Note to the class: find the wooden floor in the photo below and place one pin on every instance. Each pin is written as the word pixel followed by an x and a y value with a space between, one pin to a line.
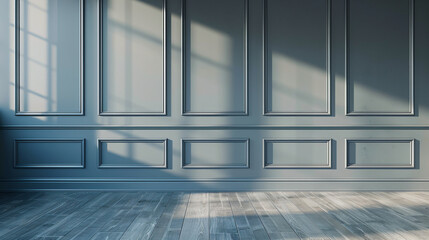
pixel 188 216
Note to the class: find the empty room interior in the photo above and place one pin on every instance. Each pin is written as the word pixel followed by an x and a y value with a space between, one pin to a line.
pixel 214 119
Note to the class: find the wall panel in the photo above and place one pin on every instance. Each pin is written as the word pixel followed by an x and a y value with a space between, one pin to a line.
pixel 214 57
pixel 132 153
pixel 380 52
pixel 49 57
pixel 203 153
pixel 49 153
pixel 297 153
pixel 132 56
pixel 380 153
pixel 297 57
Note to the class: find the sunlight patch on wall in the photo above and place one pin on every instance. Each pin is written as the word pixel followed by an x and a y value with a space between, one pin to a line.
pixel 211 63
pixel 221 44
pixel 49 80
pixel 367 98
pixel 37 20
pixel 133 56
pixel 292 75
pixel 12 55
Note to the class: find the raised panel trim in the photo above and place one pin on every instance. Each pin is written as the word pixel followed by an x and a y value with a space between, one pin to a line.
pixel 399 140
pixel 328 68
pixel 44 140
pixel 328 143
pixel 100 70
pixel 245 111
pixel 100 156
pixel 215 140
pixel 18 111
pixel 411 111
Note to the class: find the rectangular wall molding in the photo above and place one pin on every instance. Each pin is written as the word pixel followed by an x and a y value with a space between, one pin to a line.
pixel 297 153
pixel 208 61
pixel 132 153
pixel 49 153
pixel 214 95
pixel 362 93
pixel 36 64
pixel 138 93
pixel 380 153
pixel 292 59
pixel 215 153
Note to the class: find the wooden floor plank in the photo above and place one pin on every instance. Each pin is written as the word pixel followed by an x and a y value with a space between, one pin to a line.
pixel 348 219
pixel 276 226
pixel 247 220
pixel 196 223
pixel 102 212
pixel 50 216
pixel 234 215
pixel 127 211
pixel 107 236
pixel 329 219
pixel 25 209
pixel 399 218
pixel 167 227
pixel 418 202
pixel 144 223
pixel 306 222
pixel 73 216
pixel 222 223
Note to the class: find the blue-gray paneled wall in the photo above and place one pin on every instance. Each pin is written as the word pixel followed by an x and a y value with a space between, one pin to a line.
pixel 214 94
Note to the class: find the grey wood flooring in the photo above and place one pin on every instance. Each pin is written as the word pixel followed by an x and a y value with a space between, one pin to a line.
pixel 230 215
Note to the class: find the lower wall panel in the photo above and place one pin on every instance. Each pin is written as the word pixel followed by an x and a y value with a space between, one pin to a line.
pixel 306 153
pixel 49 153
pixel 132 153
pixel 238 159
pixel 379 153
pixel 215 153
